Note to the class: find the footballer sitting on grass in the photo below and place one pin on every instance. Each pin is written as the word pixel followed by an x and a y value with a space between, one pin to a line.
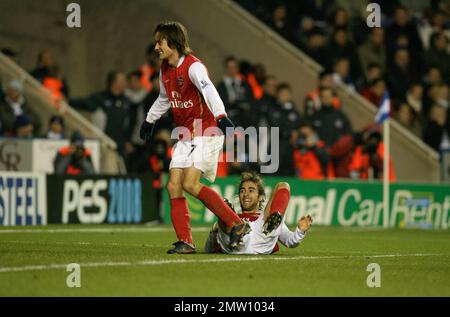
pixel 267 227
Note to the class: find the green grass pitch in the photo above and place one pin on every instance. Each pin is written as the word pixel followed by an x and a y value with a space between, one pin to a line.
pixel 132 261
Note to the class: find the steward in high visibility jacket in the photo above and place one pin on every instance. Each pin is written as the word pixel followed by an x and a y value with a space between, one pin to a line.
pixel 367 161
pixel 74 159
pixel 311 159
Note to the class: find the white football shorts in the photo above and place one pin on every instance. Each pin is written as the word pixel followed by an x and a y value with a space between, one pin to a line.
pixel 202 152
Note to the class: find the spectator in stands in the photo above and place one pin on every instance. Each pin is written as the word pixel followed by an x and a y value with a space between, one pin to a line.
pixel 401 75
pixel 367 161
pixel 74 159
pixel 55 84
pixel 235 92
pixel 341 46
pixel 414 98
pixel 373 51
pixel 137 95
pixel 13 105
pixel 373 72
pixel 435 127
pixel 150 67
pixel 23 127
pixel 437 23
pixel 47 72
pixel 55 128
pixel 409 118
pixel 286 116
pixel 340 19
pixel 316 47
pixel 288 111
pixel 439 94
pixel 267 103
pixel 374 93
pixel 341 72
pixel 312 99
pixel 311 158
pixel 279 21
pixel 301 35
pixel 431 78
pixel 317 10
pixel 115 105
pixel 402 26
pixel 341 153
pixel 269 90
pixel 438 55
pixel 330 123
pixel 255 79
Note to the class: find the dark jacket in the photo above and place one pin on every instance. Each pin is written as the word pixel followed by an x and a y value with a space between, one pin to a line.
pixel 7 117
pixel 117 109
pixel 330 124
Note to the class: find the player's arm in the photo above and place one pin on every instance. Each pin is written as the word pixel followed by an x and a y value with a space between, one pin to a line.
pixel 199 77
pixel 159 107
pixel 292 239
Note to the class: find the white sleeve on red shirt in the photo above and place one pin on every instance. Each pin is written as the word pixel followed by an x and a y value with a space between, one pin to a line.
pixel 199 77
pixel 289 238
pixel 160 106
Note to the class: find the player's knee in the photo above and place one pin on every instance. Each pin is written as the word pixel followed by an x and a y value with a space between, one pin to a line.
pixel 283 185
pixel 190 187
pixel 173 188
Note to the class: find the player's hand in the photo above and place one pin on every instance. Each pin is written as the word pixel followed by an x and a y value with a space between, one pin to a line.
pixel 224 123
pixel 146 131
pixel 305 223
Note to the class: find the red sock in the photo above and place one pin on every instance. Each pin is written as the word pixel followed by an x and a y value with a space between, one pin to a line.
pixel 215 203
pixel 280 201
pixel 181 217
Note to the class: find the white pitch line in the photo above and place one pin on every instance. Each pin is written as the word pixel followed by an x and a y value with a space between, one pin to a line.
pixel 184 261
pixel 98 230
pixel 100 244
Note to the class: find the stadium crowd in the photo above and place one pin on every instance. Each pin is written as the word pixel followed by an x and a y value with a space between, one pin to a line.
pixel 408 56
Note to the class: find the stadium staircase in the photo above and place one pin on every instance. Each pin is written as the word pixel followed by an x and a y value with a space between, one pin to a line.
pixel 45 105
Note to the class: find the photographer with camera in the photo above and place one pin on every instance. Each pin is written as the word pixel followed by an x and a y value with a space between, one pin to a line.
pixel 74 159
pixel 312 161
pixel 367 161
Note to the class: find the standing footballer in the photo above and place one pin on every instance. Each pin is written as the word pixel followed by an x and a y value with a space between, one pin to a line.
pixel 186 88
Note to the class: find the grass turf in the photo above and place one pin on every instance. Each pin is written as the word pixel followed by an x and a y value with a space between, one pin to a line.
pixel 132 261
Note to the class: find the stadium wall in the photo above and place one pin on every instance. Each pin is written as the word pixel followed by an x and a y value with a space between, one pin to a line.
pixel 39 199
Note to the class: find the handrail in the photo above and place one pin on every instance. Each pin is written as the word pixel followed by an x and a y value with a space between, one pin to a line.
pixel 312 65
pixel 35 84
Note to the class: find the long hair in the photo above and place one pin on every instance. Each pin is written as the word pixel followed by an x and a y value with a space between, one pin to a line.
pixel 175 34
